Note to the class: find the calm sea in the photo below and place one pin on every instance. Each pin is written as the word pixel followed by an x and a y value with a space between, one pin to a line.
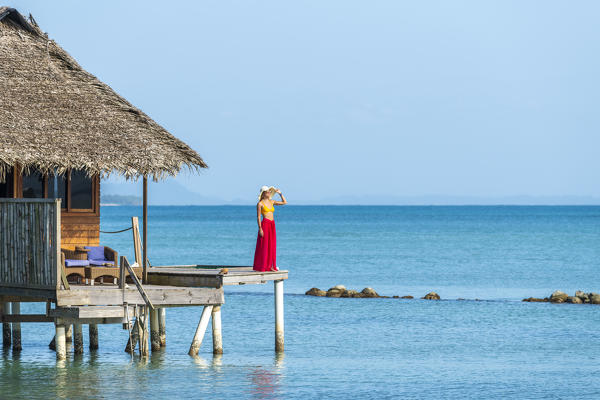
pixel 497 347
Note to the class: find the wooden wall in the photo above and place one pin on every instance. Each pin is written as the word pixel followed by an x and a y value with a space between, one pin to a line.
pixel 82 229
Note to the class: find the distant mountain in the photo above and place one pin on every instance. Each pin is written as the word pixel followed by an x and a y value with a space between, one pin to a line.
pixel 168 192
pixel 120 200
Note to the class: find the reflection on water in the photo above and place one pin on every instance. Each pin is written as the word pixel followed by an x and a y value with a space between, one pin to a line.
pixel 266 384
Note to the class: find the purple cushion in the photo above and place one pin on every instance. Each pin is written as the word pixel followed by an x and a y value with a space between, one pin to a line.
pixel 76 263
pixel 101 262
pixel 95 252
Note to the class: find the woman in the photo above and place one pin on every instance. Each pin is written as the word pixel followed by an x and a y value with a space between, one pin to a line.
pixel 266 243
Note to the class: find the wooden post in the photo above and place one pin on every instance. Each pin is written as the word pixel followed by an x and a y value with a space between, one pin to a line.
pixel 16 328
pixel 93 333
pixel 143 331
pixel 69 333
pixel 6 335
pixel 279 342
pixel 199 335
pixel 162 326
pixel 61 343
pixel 216 330
pixel 77 339
pixel 145 232
pixel 134 338
pixel 154 333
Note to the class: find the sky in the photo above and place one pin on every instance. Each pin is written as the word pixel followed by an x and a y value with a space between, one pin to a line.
pixel 379 99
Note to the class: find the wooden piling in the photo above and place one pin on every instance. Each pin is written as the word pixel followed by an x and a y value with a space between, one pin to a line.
pixel 69 333
pixel 133 338
pixel 216 330
pixel 16 328
pixel 279 336
pixel 154 331
pixel 200 330
pixel 6 335
pixel 93 333
pixel 162 326
pixel 61 343
pixel 77 339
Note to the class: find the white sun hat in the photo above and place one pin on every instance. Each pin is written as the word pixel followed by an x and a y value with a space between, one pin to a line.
pixel 270 189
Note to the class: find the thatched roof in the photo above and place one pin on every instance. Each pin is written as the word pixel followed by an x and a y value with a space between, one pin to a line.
pixel 54 115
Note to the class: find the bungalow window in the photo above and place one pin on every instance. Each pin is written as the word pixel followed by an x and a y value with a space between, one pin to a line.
pixel 76 189
pixel 34 185
pixel 6 187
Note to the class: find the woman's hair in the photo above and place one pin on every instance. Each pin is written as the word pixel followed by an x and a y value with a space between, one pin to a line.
pixel 264 195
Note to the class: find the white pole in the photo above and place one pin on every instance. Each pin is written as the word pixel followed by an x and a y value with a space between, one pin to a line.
pixel 199 335
pixel 154 334
pixel 216 330
pixel 61 342
pixel 162 326
pixel 279 337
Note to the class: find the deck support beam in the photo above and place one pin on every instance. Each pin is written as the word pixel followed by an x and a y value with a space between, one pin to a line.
pixel 279 336
pixel 16 328
pixel 77 339
pixel 200 330
pixel 6 335
pixel 154 330
pixel 60 340
pixel 216 330
pixel 162 326
pixel 93 333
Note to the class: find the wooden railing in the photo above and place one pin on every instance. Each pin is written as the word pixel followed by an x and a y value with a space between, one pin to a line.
pixel 30 243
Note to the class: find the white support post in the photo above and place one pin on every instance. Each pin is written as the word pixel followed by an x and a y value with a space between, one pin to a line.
pixel 154 335
pixel 216 330
pixel 162 326
pixel 60 340
pixel 69 333
pixel 200 330
pixel 279 337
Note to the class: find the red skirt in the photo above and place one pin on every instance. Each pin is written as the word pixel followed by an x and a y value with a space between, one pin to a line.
pixel 266 247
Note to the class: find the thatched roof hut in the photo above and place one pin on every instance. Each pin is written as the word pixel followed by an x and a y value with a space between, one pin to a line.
pixel 55 116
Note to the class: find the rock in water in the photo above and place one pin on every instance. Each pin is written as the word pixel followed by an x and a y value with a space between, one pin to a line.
pixel 574 300
pixel 315 292
pixel 431 296
pixel 336 291
pixel 369 292
pixel 583 296
pixel 594 298
pixel 407 297
pixel 558 297
pixel 536 300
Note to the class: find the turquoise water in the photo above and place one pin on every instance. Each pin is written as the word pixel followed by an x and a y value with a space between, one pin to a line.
pixel 498 347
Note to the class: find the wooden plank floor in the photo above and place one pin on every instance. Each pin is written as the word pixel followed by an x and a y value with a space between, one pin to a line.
pixel 190 275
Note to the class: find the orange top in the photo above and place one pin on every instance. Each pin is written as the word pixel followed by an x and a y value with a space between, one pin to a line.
pixel 265 209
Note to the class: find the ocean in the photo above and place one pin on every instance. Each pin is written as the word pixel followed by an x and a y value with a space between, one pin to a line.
pixel 489 345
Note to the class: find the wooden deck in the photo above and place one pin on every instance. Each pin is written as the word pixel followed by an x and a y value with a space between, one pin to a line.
pixel 210 276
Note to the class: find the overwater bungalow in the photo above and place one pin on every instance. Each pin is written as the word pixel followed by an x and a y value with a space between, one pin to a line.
pixel 61 132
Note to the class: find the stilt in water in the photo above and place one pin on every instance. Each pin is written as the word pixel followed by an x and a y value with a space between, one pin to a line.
pixel 143 331
pixel 61 343
pixel 69 333
pixel 77 339
pixel 279 337
pixel 16 328
pixel 154 330
pixel 6 335
pixel 93 333
pixel 133 338
pixel 162 326
pixel 216 330
pixel 200 330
